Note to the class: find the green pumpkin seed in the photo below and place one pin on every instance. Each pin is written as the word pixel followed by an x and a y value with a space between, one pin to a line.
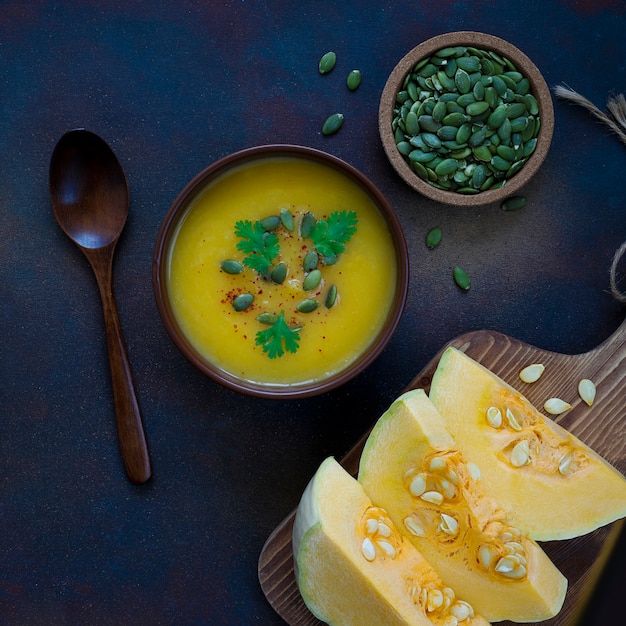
pixel 431 140
pixel 331 296
pixel 242 301
pixel 468 63
pixel 433 237
pixel 440 110
pixel 312 280
pixel 306 224
pixel 421 156
pixel 287 219
pixel 332 124
pixel 279 273
pixel 412 123
pixel 426 123
pixel 267 318
pixel 327 62
pixel 231 266
pixel 462 81
pixel 307 306
pixel 447 133
pixel 271 222
pixel 456 118
pixel 497 117
pixel 514 203
pixel 446 167
pixel 477 108
pixel 353 80
pixel 461 278
pixel 310 262
pixel 500 164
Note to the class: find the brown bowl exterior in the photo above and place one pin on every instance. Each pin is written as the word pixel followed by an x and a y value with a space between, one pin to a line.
pixel 165 240
pixel 487 42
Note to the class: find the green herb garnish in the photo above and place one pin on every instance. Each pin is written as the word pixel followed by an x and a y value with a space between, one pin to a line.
pixel 331 236
pixel 278 338
pixel 260 246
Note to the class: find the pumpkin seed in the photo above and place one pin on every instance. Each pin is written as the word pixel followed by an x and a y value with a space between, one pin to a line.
pixel 433 237
pixel 461 278
pixel 513 203
pixel 327 62
pixel 287 219
pixel 587 391
pixel 231 266
pixel 486 99
pixel 310 262
pixel 331 297
pixel 353 80
pixel 556 406
pixel 332 124
pixel 271 222
pixel 306 224
pixel 312 280
pixel 267 318
pixel 279 273
pixel 242 301
pixel 307 306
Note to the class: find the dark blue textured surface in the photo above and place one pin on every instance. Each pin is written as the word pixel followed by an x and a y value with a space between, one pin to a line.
pixel 172 86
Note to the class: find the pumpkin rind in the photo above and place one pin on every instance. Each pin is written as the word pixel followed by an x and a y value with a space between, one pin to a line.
pixel 563 489
pixel 334 522
pixel 408 458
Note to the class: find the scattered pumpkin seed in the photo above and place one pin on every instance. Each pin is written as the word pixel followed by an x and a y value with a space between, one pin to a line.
pixel 331 296
pixel 532 373
pixel 556 406
pixel 242 301
pixel 327 62
pixel 307 306
pixel 230 266
pixel 332 124
pixel 514 203
pixel 312 280
pixel 433 237
pixel 461 278
pixel 587 391
pixel 353 80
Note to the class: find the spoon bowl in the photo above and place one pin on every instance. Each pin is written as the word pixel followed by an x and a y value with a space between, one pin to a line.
pixel 90 201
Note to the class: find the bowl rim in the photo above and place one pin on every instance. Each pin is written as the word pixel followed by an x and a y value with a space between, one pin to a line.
pixel 179 208
pixel 479 40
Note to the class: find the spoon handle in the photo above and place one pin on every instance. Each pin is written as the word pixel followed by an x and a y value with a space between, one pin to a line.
pixel 130 430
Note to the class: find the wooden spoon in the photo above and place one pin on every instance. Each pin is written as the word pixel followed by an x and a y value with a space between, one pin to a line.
pixel 90 202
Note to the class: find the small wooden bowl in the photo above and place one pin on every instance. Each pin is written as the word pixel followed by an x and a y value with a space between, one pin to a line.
pixel 538 88
pixel 184 205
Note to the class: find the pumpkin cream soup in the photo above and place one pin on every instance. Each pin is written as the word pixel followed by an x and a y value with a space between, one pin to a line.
pixel 282 271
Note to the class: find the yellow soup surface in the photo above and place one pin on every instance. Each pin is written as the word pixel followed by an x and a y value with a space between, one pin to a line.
pixel 202 294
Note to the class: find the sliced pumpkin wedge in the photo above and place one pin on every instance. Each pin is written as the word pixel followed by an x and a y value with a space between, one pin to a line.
pixel 412 467
pixel 353 567
pixel 551 484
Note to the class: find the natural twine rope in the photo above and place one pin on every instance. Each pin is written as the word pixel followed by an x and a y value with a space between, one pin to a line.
pixel 616 121
pixel 617 294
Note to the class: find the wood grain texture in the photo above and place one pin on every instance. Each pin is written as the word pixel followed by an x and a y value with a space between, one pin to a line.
pixel 602 427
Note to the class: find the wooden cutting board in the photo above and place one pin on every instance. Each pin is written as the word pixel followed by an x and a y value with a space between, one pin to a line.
pixel 602 427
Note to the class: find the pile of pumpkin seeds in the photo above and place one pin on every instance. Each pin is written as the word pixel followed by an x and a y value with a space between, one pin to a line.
pixel 465 119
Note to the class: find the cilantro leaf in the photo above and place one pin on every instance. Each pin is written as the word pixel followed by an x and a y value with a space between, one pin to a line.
pixel 331 236
pixel 260 246
pixel 278 338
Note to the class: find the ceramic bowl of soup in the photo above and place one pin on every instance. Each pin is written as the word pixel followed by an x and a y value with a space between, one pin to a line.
pixel 466 118
pixel 280 271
